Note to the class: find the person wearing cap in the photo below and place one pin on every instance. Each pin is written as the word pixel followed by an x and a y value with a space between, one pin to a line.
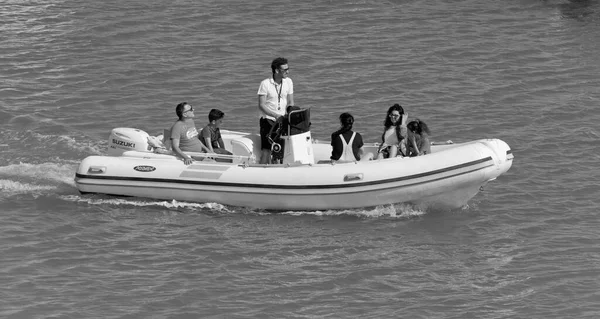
pixel 184 136
pixel 274 95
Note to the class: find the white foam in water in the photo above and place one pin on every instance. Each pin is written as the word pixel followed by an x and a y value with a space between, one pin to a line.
pixel 143 203
pixel 29 173
pixel 26 178
pixel 13 187
pixel 395 211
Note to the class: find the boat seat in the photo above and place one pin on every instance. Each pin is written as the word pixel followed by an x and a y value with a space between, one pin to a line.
pixel 243 148
pixel 246 146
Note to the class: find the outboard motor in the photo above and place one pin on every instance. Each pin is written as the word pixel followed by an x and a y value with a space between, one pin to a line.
pixel 124 139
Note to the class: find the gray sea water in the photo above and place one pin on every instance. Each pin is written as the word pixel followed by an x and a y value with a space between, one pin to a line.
pixel 524 71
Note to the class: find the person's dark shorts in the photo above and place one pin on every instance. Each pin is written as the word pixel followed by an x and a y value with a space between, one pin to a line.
pixel 265 128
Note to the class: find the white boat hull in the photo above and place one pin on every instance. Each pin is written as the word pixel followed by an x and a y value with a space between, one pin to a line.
pixel 447 178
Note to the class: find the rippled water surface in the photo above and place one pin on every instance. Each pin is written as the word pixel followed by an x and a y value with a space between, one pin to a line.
pixel 524 71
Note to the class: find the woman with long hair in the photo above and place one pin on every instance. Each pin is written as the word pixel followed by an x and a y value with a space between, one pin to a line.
pixel 394 133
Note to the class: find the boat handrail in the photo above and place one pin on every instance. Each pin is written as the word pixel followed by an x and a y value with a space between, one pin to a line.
pixel 236 159
pixel 216 155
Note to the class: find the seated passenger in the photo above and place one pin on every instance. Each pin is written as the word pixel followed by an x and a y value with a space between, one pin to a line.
pixel 418 139
pixel 394 133
pixel 184 136
pixel 211 134
pixel 347 145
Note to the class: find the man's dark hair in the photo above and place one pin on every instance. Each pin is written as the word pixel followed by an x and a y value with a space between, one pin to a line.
pixel 179 109
pixel 277 63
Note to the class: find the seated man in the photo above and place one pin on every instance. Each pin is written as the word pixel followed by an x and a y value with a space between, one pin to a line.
pixel 184 136
pixel 211 134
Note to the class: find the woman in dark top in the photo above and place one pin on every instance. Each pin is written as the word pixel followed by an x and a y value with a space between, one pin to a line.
pixel 347 144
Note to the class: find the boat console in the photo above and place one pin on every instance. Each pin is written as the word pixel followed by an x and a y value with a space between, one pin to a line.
pixel 293 140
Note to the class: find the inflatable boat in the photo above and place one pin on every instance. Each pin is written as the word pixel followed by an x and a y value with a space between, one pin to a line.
pixel 304 180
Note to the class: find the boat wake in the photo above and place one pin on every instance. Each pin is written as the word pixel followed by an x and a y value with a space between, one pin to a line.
pixel 14 187
pixel 135 202
pixel 383 211
pixel 388 211
pixel 37 179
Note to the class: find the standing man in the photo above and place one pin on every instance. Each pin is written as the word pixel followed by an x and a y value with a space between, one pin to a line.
pixel 274 95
